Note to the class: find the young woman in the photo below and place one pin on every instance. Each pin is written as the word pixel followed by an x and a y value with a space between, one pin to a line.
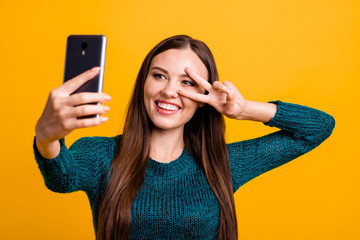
pixel 170 175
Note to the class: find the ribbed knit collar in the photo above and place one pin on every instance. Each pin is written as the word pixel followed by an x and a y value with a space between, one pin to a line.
pixel 171 169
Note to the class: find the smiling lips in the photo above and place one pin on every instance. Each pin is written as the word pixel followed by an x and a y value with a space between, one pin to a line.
pixel 166 108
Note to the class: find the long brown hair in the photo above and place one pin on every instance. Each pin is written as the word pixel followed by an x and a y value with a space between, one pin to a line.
pixel 204 140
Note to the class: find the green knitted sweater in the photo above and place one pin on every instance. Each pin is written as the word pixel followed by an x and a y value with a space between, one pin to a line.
pixel 176 201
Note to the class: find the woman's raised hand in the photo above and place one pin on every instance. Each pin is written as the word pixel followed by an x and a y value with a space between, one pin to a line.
pixel 224 97
pixel 59 117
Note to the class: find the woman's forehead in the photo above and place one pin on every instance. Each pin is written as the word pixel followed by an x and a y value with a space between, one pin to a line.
pixel 174 61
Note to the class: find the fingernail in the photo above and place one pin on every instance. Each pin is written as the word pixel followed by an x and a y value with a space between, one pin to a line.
pixel 96 69
pixel 103 119
pixel 107 108
pixel 107 97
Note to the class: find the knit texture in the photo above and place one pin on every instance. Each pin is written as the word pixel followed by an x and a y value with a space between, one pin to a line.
pixel 176 201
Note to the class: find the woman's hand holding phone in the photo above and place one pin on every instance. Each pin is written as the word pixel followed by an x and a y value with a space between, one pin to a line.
pixel 62 110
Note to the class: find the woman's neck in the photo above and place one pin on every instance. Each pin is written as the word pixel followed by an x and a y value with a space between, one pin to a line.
pixel 166 145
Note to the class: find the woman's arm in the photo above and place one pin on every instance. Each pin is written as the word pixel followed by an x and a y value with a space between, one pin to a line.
pixel 258 111
pixel 78 168
pixel 64 170
pixel 302 129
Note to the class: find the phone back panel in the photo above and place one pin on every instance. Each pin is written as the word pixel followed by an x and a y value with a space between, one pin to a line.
pixel 84 52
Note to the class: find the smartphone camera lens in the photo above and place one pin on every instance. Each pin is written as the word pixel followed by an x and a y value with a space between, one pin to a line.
pixel 84 45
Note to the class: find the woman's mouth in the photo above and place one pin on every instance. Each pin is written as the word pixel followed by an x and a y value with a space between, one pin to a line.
pixel 166 108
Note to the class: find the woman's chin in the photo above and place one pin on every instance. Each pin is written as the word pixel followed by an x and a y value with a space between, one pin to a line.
pixel 167 126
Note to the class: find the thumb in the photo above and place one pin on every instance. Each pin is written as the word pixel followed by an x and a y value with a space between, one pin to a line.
pixel 74 83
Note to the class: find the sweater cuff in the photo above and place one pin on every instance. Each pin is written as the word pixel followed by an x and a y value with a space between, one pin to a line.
pixel 43 161
pixel 290 116
pixel 55 171
pixel 272 122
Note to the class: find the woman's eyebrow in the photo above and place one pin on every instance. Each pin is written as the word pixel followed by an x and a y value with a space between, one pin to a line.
pixel 166 72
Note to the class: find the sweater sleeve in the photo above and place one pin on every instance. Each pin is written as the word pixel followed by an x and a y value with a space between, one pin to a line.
pixel 79 167
pixel 302 129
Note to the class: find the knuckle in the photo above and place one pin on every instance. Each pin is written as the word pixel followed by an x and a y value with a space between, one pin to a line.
pixel 82 124
pixel 83 110
pixel 86 110
pixel 55 102
pixel 82 97
pixel 53 94
pixel 226 83
pixel 85 123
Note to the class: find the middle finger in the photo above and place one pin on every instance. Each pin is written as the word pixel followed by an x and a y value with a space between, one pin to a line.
pixel 88 109
pixel 220 87
pixel 199 80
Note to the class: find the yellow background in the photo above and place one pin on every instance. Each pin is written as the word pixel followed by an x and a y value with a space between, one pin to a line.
pixel 306 52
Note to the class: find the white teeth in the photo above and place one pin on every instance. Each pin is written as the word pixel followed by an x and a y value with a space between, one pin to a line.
pixel 166 106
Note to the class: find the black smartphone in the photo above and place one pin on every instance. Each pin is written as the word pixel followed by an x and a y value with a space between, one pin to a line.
pixel 84 52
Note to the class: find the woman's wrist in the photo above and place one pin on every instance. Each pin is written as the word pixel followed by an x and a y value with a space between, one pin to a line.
pixel 258 111
pixel 48 150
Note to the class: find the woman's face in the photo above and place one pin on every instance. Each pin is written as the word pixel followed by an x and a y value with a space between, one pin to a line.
pixel 165 107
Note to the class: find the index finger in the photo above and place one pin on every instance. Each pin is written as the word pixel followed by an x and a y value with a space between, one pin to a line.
pixel 194 96
pixel 199 80
pixel 71 85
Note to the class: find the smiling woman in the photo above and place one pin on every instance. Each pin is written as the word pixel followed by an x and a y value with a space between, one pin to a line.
pixel 170 175
pixel 166 108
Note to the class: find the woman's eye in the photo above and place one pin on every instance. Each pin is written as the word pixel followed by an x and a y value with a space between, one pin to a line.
pixel 189 83
pixel 157 76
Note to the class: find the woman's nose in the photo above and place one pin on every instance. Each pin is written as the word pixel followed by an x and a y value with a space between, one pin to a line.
pixel 170 90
